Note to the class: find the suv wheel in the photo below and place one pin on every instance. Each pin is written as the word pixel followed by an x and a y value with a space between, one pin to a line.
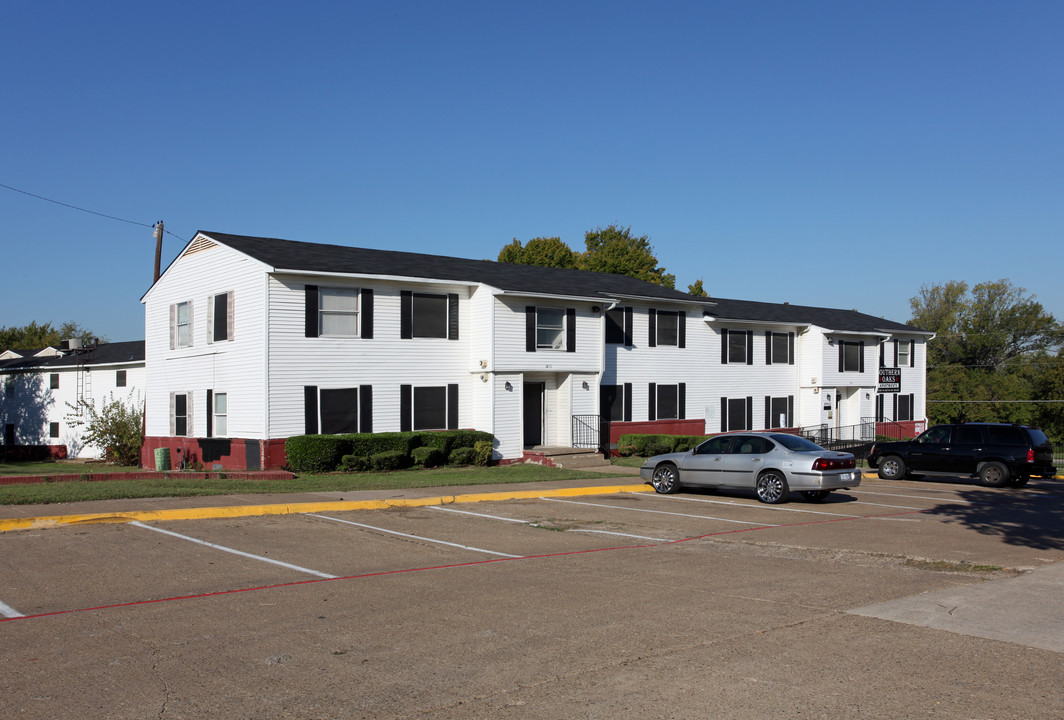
pixel 993 474
pixel 892 467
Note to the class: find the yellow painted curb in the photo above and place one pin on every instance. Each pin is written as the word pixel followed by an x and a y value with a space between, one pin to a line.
pixel 38 523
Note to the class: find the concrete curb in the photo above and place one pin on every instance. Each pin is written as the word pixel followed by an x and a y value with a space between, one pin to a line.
pixel 54 521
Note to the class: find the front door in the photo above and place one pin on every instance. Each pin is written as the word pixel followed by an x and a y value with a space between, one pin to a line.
pixel 533 413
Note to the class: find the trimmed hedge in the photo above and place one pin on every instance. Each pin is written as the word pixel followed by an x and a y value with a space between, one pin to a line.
pixel 462 456
pixel 327 453
pixel 427 456
pixel 390 460
pixel 647 445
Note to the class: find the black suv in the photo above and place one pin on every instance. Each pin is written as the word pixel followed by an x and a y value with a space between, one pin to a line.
pixel 997 454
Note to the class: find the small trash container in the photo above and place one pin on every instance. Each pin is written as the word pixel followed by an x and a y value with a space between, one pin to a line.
pixel 162 459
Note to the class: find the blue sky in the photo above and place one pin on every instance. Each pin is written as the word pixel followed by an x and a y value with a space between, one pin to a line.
pixel 838 154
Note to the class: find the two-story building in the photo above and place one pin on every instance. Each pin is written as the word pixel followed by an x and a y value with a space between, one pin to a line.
pixel 249 341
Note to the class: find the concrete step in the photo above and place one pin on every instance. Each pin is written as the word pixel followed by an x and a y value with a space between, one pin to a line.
pixel 582 458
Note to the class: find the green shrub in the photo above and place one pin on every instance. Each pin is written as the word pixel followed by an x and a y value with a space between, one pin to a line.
pixel 390 460
pixel 483 452
pixel 369 444
pixel 428 456
pixel 686 442
pixel 462 456
pixel 656 447
pixel 354 463
pixel 317 453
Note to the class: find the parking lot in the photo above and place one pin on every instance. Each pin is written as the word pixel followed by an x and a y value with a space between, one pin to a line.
pixel 898 599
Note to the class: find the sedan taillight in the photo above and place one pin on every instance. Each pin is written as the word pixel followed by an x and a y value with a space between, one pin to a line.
pixel 834 463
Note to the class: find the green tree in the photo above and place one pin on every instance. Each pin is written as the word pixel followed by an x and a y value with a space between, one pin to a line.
pixel 696 289
pixel 613 249
pixel 983 357
pixel 541 251
pixel 35 336
pixel 117 427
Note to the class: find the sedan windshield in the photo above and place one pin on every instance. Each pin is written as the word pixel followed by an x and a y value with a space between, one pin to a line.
pixel 796 443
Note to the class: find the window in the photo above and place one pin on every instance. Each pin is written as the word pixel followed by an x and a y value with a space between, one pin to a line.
pixel 905 353
pixel 220 317
pixel 904 408
pixel 737 347
pixel 615 402
pixel 9 387
pixel 336 312
pixel 53 430
pixel 851 356
pixel 667 327
pixel 120 378
pixel 53 381
pixel 181 325
pixel 967 435
pixel 736 414
pixel 779 348
pixel 779 411
pixel 423 315
pixel 181 414
pixel 428 408
pixel 550 328
pixel 1004 435
pixel 220 411
pixel 667 402
pixel 332 411
pixel 619 326
pixel 715 446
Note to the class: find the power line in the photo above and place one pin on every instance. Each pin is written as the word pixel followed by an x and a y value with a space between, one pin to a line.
pixel 84 210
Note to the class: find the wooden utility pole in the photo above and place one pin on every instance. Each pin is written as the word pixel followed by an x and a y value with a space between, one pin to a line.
pixel 157 233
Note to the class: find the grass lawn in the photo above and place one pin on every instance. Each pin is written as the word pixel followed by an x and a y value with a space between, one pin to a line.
pixel 61 468
pixel 176 486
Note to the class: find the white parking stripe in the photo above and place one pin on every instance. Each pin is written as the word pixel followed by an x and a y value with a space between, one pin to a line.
pixel 532 524
pixel 759 506
pixel 659 512
pixel 476 514
pixel 413 537
pixel 8 611
pixel 234 551
pixel 920 497
pixel 896 507
pixel 627 535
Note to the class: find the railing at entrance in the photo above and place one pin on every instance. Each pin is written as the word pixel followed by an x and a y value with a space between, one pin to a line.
pixel 829 436
pixel 588 431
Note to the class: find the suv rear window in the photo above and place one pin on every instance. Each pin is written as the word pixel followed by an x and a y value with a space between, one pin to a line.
pixel 1037 437
pixel 1000 435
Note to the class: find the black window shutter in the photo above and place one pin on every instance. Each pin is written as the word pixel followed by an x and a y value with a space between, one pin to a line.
pixel 652 411
pixel 530 328
pixel 768 348
pixel 895 354
pixel 406 408
pixel 452 316
pixel 749 413
pixel 365 408
pixel 724 346
pixel 570 330
pixel 653 327
pixel 894 406
pixel 681 401
pixel 790 411
pixel 879 408
pixel 367 315
pixel 768 412
pixel 628 327
pixel 406 314
pixel 311 312
pixel 724 414
pixel 790 348
pixel 628 402
pixel 681 329
pixel 842 355
pixel 749 347
pixel 860 350
pixel 310 409
pixel 452 407
pixel 882 354
pixel 912 354
pixel 210 413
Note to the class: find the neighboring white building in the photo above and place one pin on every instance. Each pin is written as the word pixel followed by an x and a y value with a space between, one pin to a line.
pixel 40 392
pixel 252 340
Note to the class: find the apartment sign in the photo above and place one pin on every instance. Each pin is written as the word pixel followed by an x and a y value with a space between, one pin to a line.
pixel 890 380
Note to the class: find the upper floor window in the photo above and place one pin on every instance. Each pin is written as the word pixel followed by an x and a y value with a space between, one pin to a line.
pixel 9 387
pixel 120 378
pixel 779 348
pixel 905 353
pixel 550 328
pixel 851 356
pixel 53 381
pixel 181 325
pixel 220 317
pixel 667 327
pixel 737 347
pixel 426 315
pixel 619 326
pixel 338 312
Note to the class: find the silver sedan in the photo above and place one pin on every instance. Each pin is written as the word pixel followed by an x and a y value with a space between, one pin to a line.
pixel 771 464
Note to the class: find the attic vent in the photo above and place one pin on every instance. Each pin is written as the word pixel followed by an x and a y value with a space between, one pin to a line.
pixel 199 245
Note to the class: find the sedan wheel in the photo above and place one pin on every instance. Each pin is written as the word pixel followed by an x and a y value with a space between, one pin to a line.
pixel 666 479
pixel 772 487
pixel 815 495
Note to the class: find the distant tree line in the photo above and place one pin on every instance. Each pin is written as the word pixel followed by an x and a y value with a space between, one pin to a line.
pixel 36 336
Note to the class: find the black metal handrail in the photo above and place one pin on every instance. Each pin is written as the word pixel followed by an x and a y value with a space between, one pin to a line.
pixel 587 431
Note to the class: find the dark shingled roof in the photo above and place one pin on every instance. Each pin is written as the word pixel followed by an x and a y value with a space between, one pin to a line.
pixel 510 277
pixel 105 354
